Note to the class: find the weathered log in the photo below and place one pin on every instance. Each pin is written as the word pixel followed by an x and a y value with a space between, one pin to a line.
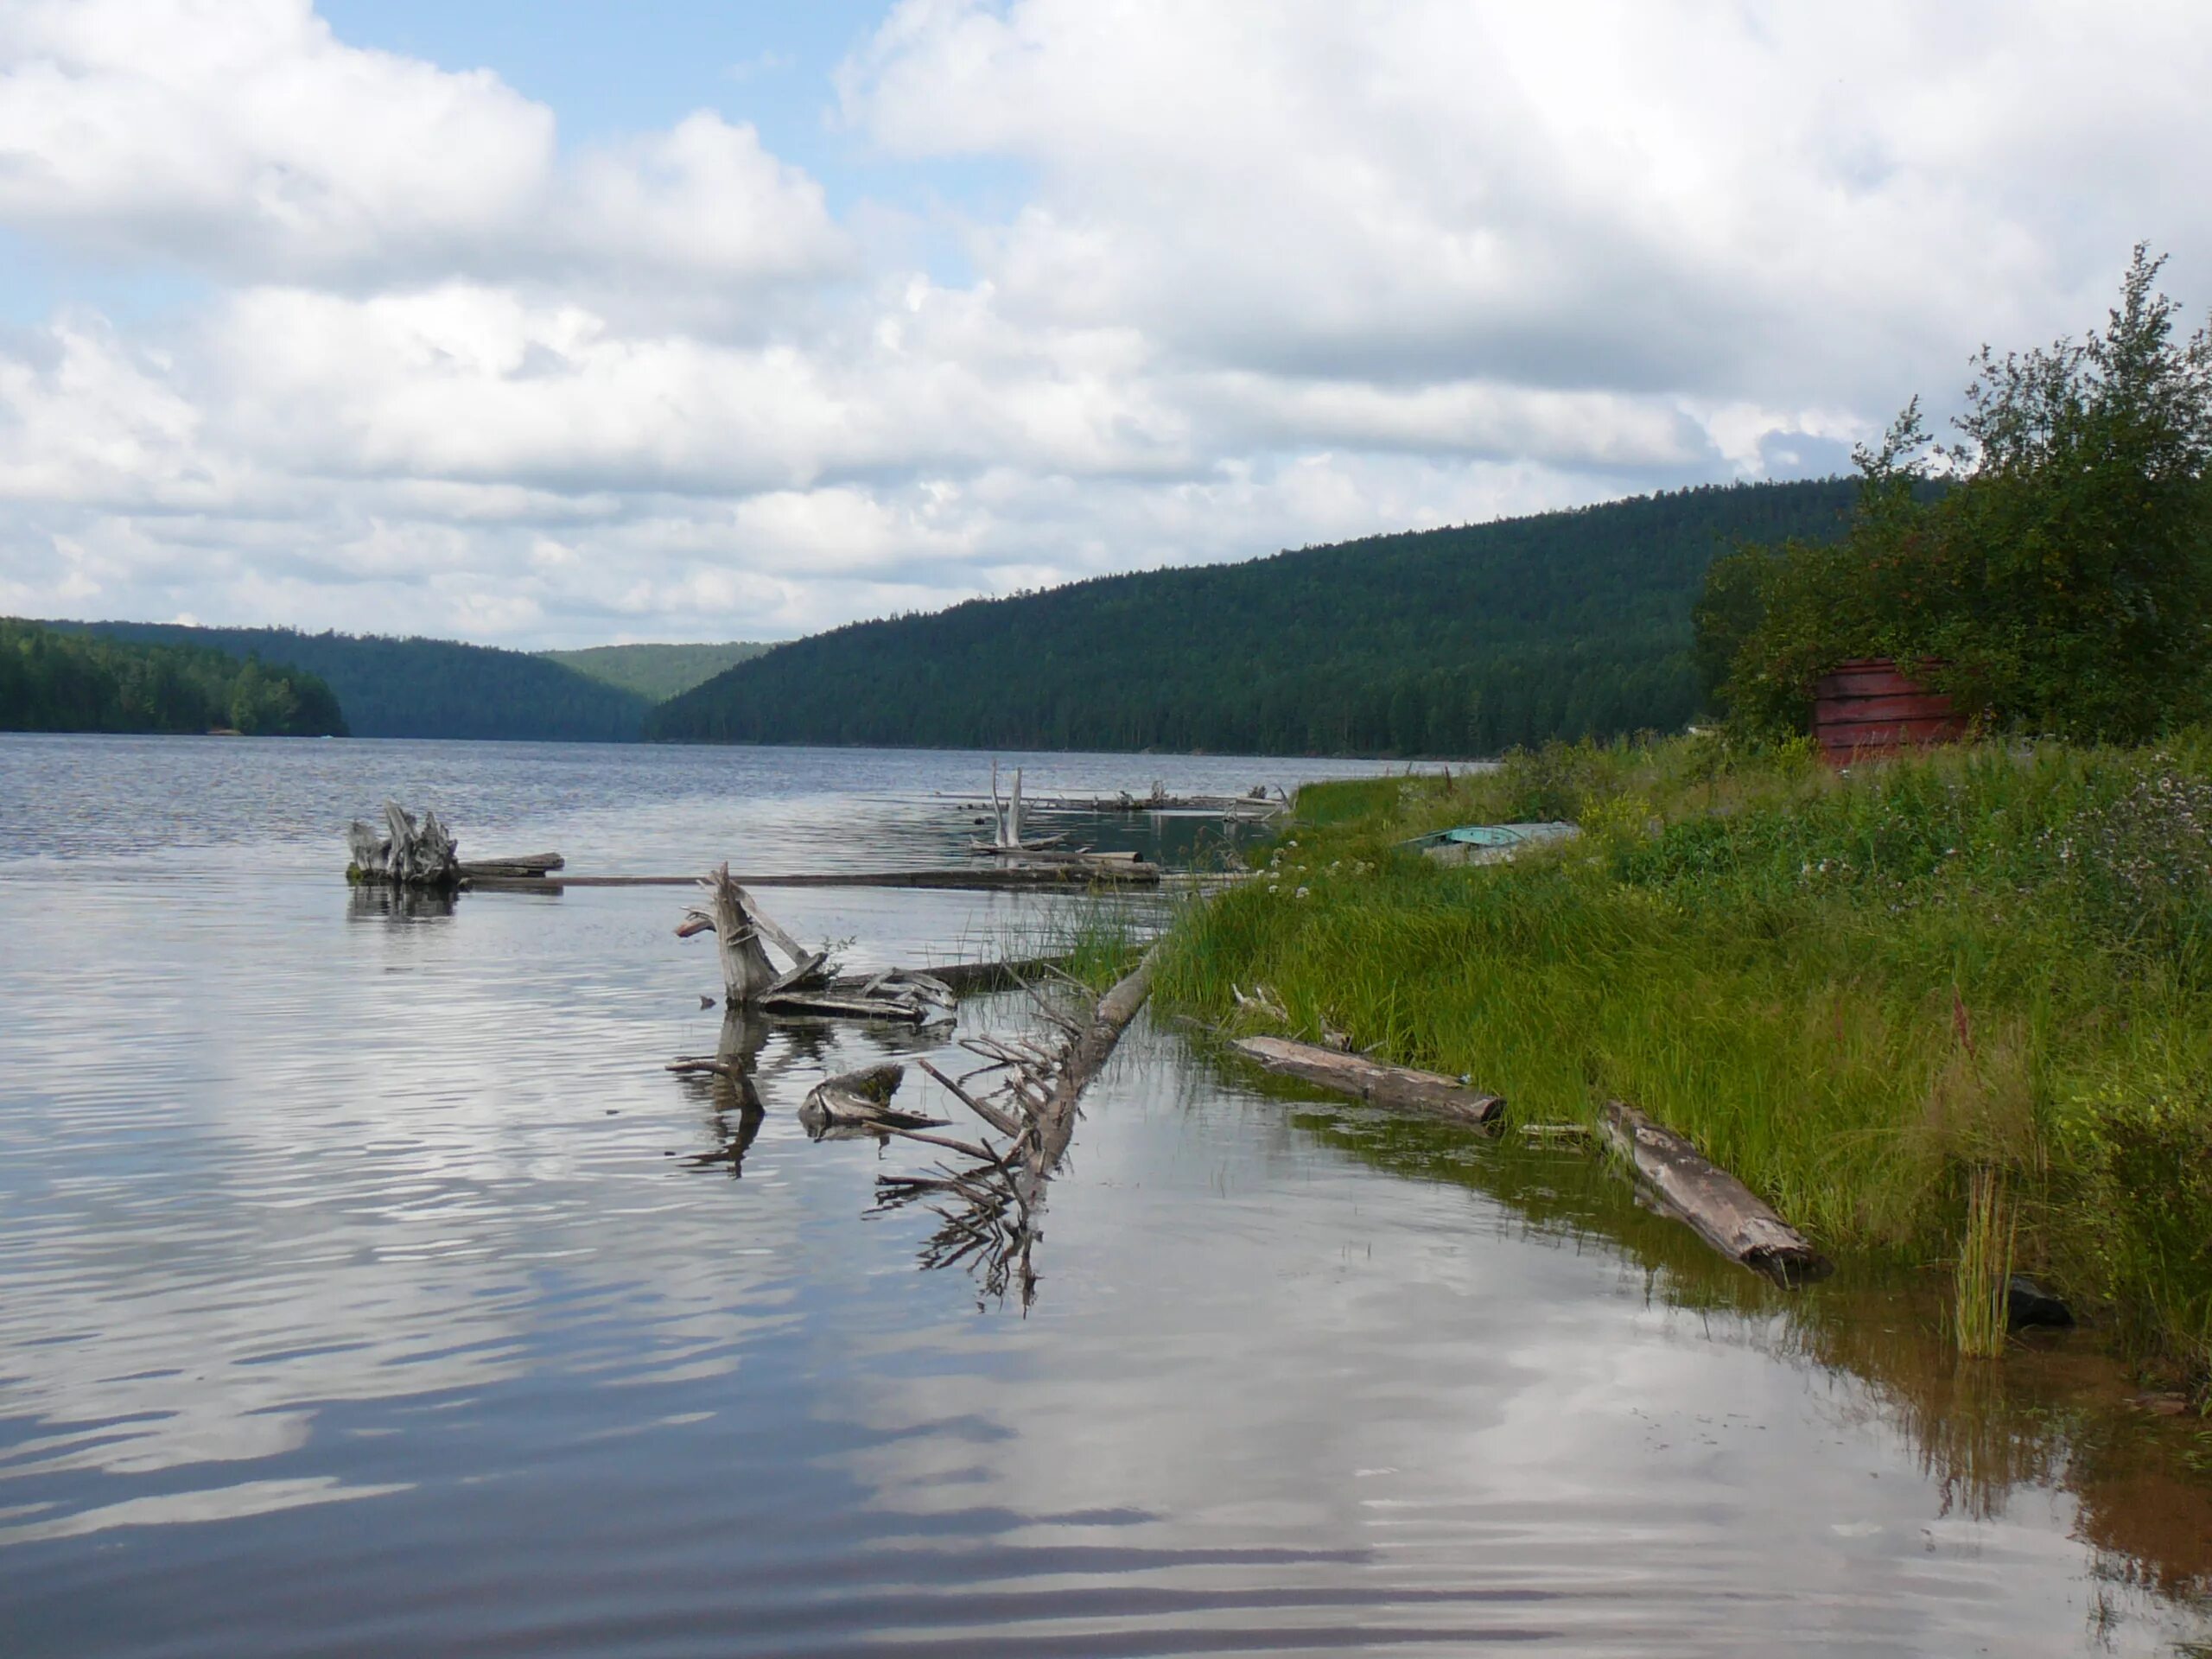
pixel 1085 1057
pixel 1726 1213
pixel 860 1100
pixel 521 867
pixel 826 1004
pixel 1375 1081
pixel 966 976
pixel 1047 872
pixel 991 1208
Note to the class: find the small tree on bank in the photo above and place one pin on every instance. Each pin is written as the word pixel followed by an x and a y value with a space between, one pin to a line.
pixel 2051 571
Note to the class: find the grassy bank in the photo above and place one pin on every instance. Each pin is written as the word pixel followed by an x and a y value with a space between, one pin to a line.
pixel 1863 993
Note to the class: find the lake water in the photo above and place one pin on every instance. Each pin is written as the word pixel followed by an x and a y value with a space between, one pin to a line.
pixel 361 1293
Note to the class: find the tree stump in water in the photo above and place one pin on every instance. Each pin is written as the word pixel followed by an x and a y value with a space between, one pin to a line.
pixel 410 854
pixel 752 979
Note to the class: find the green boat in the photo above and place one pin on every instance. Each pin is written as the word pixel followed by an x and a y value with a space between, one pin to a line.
pixel 1488 843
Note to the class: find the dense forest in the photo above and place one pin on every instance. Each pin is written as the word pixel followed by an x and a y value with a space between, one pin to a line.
pixel 424 688
pixel 56 681
pixel 657 672
pixel 1461 641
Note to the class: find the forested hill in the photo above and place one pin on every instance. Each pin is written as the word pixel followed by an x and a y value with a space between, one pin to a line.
pixel 425 688
pixel 1450 642
pixel 56 681
pixel 655 672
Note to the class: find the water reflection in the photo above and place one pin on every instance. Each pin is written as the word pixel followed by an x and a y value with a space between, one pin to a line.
pixel 2055 1415
pixel 734 1113
pixel 377 902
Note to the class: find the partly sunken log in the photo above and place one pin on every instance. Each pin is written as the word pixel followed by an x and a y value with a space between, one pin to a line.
pixel 751 978
pixel 990 1203
pixel 859 1102
pixel 523 866
pixel 1730 1217
pixel 1373 1081
pixel 410 853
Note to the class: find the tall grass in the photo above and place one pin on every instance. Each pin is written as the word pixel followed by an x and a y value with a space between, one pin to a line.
pixel 1851 990
pixel 1985 1266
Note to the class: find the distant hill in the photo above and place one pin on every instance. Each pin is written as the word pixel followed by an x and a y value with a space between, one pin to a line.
pixel 657 672
pixel 1451 642
pixel 58 680
pixel 424 688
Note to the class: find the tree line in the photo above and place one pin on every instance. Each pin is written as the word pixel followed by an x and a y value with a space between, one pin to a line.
pixel 424 688
pixel 52 680
pixel 1467 640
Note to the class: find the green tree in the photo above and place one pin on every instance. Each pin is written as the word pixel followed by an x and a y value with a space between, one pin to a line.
pixel 2051 569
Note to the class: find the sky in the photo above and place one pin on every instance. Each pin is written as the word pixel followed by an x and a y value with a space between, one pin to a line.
pixel 540 322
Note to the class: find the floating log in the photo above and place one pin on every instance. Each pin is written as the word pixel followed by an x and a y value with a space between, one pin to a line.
pixel 861 1100
pixel 1072 873
pixel 1253 804
pixel 1727 1214
pixel 523 868
pixel 1373 1081
pixel 966 977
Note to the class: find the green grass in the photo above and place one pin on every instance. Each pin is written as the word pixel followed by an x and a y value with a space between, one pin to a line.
pixel 1852 991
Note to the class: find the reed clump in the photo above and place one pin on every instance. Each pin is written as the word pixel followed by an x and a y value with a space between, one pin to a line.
pixel 1853 989
pixel 1985 1266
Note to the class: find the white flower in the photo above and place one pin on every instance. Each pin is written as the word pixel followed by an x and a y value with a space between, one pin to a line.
pixel 1300 893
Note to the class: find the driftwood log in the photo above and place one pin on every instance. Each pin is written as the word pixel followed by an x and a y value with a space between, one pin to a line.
pixel 411 852
pixel 1727 1214
pixel 991 1202
pixel 523 866
pixel 859 1102
pixel 1255 803
pixel 1086 871
pixel 808 985
pixel 1373 1081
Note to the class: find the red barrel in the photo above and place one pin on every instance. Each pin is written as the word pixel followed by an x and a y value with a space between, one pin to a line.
pixel 1865 707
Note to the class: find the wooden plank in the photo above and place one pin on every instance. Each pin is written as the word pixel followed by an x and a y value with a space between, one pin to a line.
pixel 1725 1212
pixel 1375 1081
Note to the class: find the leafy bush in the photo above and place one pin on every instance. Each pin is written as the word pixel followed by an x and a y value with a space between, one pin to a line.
pixel 2051 571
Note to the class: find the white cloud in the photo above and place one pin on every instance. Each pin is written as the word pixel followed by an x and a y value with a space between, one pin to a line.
pixel 1714 199
pixel 1277 274
pixel 241 137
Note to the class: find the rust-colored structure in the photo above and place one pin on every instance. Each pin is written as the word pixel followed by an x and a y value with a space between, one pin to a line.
pixel 1865 707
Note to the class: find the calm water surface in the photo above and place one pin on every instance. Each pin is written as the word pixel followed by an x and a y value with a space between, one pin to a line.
pixel 357 1296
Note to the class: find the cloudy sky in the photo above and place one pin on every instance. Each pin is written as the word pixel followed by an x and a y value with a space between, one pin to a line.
pixel 552 322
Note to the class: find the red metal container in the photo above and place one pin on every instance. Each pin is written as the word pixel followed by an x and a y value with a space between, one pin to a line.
pixel 1865 707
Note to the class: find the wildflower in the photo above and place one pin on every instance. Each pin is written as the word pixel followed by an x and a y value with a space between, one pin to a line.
pixel 1274 886
pixel 1300 893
